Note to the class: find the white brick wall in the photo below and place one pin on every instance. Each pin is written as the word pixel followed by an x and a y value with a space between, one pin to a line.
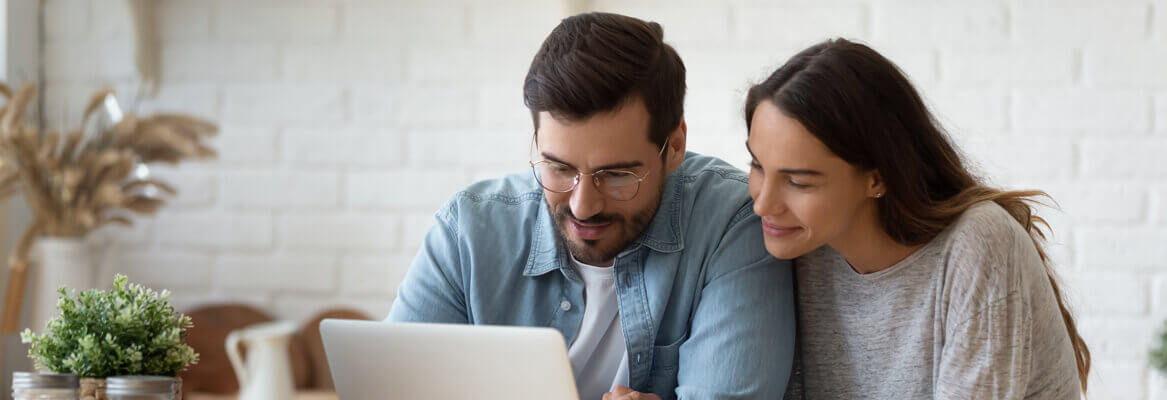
pixel 346 123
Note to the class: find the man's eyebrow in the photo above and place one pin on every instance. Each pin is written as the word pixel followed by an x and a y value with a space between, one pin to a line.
pixel 618 165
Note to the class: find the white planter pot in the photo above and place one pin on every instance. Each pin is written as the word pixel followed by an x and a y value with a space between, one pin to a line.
pixel 61 261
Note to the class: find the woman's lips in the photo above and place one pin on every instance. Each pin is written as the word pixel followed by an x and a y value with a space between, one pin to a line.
pixel 589 231
pixel 779 231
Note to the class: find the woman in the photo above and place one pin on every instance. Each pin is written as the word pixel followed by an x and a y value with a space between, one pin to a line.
pixel 914 280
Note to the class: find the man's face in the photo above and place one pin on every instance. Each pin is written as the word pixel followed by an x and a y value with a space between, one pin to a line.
pixel 594 226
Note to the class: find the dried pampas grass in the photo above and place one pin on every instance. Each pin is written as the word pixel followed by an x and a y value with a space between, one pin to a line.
pixel 75 183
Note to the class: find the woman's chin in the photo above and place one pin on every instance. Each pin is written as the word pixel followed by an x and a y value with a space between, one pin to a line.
pixel 785 250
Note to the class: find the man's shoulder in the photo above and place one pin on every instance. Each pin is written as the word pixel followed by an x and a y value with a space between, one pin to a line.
pixel 714 190
pixel 514 193
pixel 702 170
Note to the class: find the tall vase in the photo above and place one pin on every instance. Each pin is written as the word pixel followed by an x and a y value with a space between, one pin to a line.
pixel 62 261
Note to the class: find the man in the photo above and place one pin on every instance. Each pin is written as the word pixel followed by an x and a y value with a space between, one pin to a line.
pixel 649 260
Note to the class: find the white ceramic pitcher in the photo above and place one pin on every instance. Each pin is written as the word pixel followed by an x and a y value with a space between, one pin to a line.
pixel 268 373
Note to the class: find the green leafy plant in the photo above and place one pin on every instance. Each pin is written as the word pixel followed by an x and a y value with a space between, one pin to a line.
pixel 131 330
pixel 1158 356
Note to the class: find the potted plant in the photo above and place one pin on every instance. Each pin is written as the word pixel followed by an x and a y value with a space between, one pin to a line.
pixel 130 330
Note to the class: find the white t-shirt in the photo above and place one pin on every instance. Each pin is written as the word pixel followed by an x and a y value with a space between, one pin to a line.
pixel 599 356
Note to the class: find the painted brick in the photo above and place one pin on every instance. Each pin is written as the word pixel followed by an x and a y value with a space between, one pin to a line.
pixel 403 23
pixel 349 62
pixel 189 19
pixel 1124 158
pixel 502 105
pixel 525 22
pixel 277 22
pixel 245 144
pixel 1009 68
pixel 493 64
pixel 112 21
pixel 1123 248
pixel 281 190
pixel 376 276
pixel 302 308
pixel 1075 24
pixel 172 270
pixel 196 188
pixel 219 62
pixel 372 147
pixel 1126 66
pixel 1007 159
pixel 941 24
pixel 1161 113
pixel 477 147
pixel 965 111
pixel 300 273
pixel 707 23
pixel 415 227
pixel 1101 203
pixel 66 19
pixel 424 190
pixel 89 61
pixel 436 104
pixel 1095 111
pixel 281 103
pixel 798 27
pixel 1104 291
pixel 331 231
pixel 207 230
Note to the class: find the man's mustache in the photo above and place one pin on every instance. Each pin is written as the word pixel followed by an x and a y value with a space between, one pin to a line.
pixel 593 220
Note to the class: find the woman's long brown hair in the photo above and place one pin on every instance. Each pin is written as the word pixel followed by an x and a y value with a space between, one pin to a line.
pixel 864 109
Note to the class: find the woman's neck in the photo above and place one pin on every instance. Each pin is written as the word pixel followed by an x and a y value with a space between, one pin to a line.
pixel 868 248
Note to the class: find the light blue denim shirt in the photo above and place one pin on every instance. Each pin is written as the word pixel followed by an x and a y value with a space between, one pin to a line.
pixel 707 313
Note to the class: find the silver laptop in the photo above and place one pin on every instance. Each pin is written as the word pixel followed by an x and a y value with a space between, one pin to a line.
pixel 381 360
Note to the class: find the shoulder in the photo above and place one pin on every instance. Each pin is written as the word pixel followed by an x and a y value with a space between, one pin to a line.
pixel 989 256
pixel 986 232
pixel 512 198
pixel 712 190
pixel 702 171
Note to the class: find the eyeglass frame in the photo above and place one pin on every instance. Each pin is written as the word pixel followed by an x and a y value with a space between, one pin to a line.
pixel 595 181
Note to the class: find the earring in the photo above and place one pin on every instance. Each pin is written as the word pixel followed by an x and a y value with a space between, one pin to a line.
pixel 879 195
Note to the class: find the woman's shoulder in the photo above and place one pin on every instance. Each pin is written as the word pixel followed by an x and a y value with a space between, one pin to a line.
pixel 989 254
pixel 986 229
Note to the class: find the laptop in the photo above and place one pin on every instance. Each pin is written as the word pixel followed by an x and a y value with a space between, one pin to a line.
pixel 382 360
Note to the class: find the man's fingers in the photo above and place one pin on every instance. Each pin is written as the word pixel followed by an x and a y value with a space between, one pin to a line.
pixel 622 390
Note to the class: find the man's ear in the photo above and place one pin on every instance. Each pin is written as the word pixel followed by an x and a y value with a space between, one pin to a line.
pixel 676 150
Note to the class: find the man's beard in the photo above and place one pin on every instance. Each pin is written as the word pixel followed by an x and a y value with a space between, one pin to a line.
pixel 593 251
pixel 596 252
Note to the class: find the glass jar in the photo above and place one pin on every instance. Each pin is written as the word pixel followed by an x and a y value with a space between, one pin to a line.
pixel 139 388
pixel 44 386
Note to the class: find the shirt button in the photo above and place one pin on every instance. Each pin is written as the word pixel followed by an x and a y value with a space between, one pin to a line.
pixel 565 305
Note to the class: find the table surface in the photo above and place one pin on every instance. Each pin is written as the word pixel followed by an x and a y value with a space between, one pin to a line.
pixel 301 395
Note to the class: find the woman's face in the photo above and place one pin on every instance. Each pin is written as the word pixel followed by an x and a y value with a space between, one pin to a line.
pixel 805 195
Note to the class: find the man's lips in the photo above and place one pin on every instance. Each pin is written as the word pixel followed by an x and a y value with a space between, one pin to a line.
pixel 589 231
pixel 778 231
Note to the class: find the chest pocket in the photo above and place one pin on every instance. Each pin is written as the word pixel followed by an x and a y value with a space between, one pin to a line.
pixel 664 369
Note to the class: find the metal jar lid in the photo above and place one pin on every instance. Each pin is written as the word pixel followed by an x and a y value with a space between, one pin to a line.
pixel 37 380
pixel 139 385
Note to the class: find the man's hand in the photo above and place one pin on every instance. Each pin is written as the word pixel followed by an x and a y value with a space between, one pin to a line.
pixel 626 393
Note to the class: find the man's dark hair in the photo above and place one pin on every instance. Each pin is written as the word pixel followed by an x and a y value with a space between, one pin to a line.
pixel 596 62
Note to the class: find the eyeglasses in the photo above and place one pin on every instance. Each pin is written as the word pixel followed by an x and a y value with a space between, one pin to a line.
pixel 618 185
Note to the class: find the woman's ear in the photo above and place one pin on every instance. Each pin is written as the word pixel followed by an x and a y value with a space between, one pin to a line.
pixel 875 187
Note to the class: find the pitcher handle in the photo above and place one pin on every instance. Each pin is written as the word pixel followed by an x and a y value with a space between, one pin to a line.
pixel 236 359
